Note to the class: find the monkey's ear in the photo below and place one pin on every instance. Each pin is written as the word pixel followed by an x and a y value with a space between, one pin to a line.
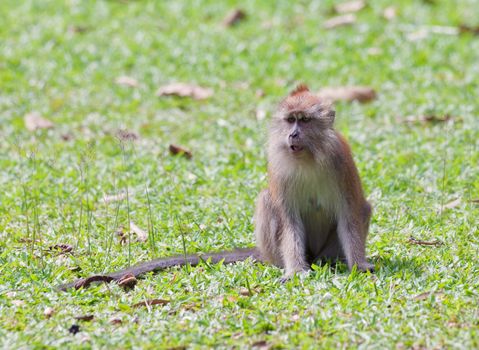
pixel 332 116
pixel 299 89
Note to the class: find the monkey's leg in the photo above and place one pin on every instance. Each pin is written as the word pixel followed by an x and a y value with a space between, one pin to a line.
pixel 293 246
pixel 267 225
pixel 353 241
pixel 366 213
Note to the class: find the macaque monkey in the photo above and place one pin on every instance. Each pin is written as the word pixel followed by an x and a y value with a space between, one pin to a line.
pixel 314 207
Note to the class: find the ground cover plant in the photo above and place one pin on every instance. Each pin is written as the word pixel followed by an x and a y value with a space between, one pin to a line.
pixel 88 183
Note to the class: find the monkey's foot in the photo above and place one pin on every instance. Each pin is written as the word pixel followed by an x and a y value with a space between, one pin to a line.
pixel 365 267
pixel 302 275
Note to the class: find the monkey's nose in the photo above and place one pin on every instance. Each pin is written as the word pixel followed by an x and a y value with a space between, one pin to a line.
pixel 294 134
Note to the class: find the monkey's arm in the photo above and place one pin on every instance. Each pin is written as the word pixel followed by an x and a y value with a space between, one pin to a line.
pixel 354 219
pixel 164 263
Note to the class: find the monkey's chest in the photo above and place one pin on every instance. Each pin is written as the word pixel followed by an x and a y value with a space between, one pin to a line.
pixel 318 210
pixel 314 194
pixel 318 198
pixel 318 218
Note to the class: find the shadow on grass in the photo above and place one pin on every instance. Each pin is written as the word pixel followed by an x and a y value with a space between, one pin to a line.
pixel 393 265
pixel 384 266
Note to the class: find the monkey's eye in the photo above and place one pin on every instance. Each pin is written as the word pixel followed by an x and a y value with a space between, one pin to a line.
pixel 305 118
pixel 291 119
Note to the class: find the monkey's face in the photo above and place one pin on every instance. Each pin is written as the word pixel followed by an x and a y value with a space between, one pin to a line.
pixel 296 130
pixel 301 123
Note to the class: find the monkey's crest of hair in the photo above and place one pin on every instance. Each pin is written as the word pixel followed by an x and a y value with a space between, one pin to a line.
pixel 299 89
pixel 302 99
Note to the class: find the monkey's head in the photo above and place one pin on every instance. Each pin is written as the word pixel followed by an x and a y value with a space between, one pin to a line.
pixel 302 123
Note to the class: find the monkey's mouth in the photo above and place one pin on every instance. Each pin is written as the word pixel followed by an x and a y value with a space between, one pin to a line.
pixel 296 148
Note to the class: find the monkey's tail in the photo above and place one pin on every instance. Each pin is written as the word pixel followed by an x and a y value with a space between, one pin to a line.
pixel 164 263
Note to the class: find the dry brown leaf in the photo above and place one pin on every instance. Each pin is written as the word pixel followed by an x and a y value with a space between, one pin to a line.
pixel 85 318
pixel 126 81
pixel 261 344
pixel 28 240
pixel 125 279
pixel 245 292
pixel 234 17
pixel 476 201
pixel 128 281
pixel 61 248
pixel 66 137
pixel 426 295
pixel 127 135
pixel 339 21
pixel 237 335
pixel 151 302
pixel 422 296
pixel 249 292
pixel 469 29
pixel 108 198
pixel 140 234
pixel 347 93
pixel 415 241
pixel 185 90
pixel 115 321
pixel 48 312
pixel 174 149
pixel 453 203
pixel 191 306
pixel 435 118
pixel 350 6
pixel 34 121
pixel 424 119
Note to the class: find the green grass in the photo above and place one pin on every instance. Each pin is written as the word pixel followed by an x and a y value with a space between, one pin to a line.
pixel 61 59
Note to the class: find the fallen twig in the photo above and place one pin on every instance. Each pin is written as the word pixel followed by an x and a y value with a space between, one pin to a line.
pixel 151 302
pixel 436 243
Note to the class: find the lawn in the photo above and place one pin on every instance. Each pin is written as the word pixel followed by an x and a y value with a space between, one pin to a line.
pixel 416 147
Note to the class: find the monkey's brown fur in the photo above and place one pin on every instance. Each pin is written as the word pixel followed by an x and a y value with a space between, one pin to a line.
pixel 314 206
